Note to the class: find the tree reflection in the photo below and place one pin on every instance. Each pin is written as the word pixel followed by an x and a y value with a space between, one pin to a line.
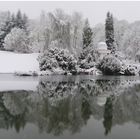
pixel 108 115
pixel 9 120
pixel 86 110
pixel 67 105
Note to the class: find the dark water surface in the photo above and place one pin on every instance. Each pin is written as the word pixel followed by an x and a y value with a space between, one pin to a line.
pixel 69 107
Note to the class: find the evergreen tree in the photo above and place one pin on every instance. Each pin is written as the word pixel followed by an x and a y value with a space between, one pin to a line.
pixel 13 19
pixel 108 115
pixel 87 34
pixel 25 21
pixel 21 20
pixel 109 32
pixel 9 24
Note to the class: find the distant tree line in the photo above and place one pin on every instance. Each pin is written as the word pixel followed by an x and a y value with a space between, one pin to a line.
pixel 71 32
pixel 18 20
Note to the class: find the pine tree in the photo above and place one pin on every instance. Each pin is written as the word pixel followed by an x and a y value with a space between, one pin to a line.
pixel 21 20
pixel 109 32
pixel 9 24
pixel 25 21
pixel 87 34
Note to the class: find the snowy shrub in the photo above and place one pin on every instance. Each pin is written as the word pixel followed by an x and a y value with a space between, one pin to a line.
pixel 17 41
pixel 110 65
pixel 54 58
pixel 88 58
pixel 86 64
pixel 90 71
pixel 130 70
pixel 30 73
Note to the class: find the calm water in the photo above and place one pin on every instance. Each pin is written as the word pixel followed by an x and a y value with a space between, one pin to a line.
pixel 69 107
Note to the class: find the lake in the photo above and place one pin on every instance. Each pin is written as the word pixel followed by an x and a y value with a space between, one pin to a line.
pixel 69 107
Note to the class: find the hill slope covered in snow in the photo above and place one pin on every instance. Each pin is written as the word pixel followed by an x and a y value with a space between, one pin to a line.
pixel 11 62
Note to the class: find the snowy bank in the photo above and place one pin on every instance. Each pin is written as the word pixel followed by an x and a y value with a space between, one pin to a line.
pixel 12 62
pixel 30 73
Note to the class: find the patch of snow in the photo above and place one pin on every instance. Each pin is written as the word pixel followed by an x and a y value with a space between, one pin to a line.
pixel 43 73
pixel 58 71
pixel 11 62
pixel 91 71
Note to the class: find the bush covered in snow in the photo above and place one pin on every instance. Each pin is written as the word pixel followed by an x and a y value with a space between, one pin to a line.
pixel 17 41
pixel 56 58
pixel 130 71
pixel 90 71
pixel 30 73
pixel 110 65
pixel 88 58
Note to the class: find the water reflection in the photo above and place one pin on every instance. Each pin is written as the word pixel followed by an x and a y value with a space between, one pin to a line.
pixel 9 119
pixel 67 104
pixel 108 115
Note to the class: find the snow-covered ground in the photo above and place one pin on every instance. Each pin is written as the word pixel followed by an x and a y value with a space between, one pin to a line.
pixel 12 62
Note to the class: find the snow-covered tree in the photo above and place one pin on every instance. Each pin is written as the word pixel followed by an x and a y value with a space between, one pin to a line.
pixel 76 33
pixel 9 21
pixel 6 26
pixel 58 26
pixel 110 65
pixel 21 20
pixel 88 58
pixel 120 27
pixel 131 41
pixel 87 34
pixel 37 36
pixel 109 32
pixel 56 57
pixel 16 40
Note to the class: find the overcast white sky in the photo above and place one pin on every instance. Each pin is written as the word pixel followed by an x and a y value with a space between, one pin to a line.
pixel 94 10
